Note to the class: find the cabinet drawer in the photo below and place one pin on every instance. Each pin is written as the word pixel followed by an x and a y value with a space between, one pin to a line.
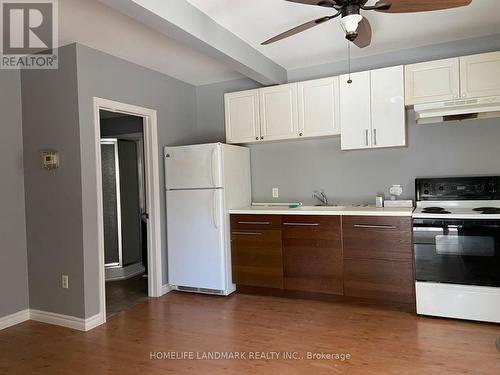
pixel 260 222
pixel 370 237
pixel 256 258
pixel 312 254
pixel 379 279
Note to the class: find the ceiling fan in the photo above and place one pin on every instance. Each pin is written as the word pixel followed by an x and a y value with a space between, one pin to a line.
pixel 357 27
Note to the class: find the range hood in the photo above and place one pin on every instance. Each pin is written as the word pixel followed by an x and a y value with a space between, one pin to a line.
pixel 464 109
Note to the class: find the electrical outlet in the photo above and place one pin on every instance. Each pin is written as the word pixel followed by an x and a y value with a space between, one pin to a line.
pixel 65 281
pixel 276 193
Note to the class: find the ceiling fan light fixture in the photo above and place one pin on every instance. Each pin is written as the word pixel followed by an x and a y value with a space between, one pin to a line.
pixel 350 25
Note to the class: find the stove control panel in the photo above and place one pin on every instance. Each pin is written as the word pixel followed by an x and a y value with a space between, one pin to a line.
pixel 457 188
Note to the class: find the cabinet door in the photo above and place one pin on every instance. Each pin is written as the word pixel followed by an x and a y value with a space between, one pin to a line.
pixel 319 107
pixel 480 75
pixel 312 254
pixel 242 116
pixel 384 280
pixel 432 81
pixel 355 111
pixel 278 112
pixel 388 107
pixel 256 257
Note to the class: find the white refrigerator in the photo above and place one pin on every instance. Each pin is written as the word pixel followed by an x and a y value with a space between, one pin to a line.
pixel 203 182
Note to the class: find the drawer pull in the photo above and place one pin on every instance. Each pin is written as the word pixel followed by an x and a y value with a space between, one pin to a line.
pixel 302 224
pixel 248 233
pixel 255 222
pixel 375 226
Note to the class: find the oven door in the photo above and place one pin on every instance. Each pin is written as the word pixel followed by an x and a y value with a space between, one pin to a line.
pixel 457 251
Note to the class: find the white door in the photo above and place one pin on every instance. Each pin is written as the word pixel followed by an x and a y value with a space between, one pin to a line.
pixel 242 116
pixel 278 112
pixel 355 111
pixel 195 233
pixel 480 75
pixel 318 106
pixel 433 81
pixel 388 107
pixel 193 167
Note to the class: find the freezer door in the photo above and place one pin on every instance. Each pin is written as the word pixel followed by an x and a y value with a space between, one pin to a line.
pixel 196 250
pixel 193 167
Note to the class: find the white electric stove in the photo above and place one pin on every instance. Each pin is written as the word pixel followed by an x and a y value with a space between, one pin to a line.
pixel 456 236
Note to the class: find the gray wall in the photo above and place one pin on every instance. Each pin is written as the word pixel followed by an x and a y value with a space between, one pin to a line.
pixel 53 198
pixel 13 257
pixel 299 167
pixel 105 76
pixel 408 56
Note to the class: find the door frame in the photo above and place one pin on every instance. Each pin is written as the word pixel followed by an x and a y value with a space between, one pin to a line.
pixel 152 182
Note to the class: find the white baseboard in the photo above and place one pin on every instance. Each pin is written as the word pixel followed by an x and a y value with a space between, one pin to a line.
pixel 166 289
pixel 13 319
pixel 66 320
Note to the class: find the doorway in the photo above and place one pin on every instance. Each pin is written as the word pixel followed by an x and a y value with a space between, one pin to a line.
pixel 124 209
pixel 128 195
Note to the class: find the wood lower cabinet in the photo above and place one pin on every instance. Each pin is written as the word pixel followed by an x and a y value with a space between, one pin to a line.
pixel 351 258
pixel 312 254
pixel 256 251
pixel 378 260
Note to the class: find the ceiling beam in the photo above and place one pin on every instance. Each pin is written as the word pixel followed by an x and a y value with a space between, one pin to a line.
pixel 183 22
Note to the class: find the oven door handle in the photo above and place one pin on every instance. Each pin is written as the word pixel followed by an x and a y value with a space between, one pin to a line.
pixel 428 229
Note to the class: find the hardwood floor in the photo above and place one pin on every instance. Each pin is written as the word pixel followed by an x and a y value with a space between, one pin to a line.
pixel 378 341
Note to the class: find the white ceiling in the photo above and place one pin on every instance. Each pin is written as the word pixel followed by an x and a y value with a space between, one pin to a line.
pixel 93 24
pixel 257 20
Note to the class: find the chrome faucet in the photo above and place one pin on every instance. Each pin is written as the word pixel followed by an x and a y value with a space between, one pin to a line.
pixel 321 196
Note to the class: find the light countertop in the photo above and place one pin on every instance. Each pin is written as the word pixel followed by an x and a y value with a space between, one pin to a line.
pixel 324 210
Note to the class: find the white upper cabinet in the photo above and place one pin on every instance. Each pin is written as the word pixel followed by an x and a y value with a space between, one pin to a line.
pixel 278 112
pixel 355 111
pixel 432 81
pixel 318 106
pixel 388 107
pixel 480 75
pixel 242 116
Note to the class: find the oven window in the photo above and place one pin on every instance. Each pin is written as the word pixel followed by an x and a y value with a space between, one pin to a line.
pixel 457 251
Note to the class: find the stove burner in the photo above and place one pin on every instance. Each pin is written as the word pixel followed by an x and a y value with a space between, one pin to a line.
pixel 435 210
pixel 488 210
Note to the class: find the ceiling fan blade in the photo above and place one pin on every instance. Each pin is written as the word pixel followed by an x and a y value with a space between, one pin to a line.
pixel 409 6
pixel 299 29
pixel 321 3
pixel 364 37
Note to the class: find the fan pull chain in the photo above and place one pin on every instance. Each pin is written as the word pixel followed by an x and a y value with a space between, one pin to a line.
pixel 349 81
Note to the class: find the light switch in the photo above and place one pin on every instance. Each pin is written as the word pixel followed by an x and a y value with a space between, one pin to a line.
pixel 276 193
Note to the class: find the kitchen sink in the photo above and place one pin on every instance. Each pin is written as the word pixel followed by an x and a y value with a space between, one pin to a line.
pixel 319 208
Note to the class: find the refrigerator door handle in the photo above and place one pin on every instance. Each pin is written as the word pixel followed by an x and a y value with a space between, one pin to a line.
pixel 215 215
pixel 214 165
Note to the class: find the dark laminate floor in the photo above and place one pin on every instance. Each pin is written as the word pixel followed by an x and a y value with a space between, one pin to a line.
pixel 122 295
pixel 379 341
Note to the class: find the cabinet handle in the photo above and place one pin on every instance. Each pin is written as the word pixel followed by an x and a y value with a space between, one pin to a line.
pixel 255 222
pixel 366 137
pixel 261 137
pixel 374 137
pixel 256 138
pixel 300 134
pixel 375 226
pixel 248 233
pixel 302 224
